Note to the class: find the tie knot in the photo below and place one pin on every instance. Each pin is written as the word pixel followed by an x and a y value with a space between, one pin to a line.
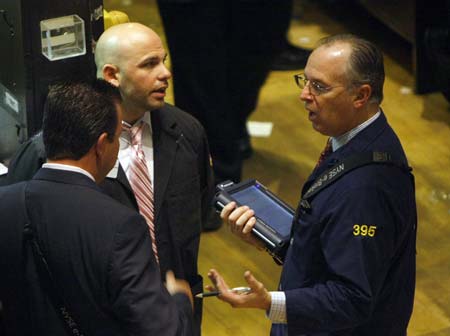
pixel 135 132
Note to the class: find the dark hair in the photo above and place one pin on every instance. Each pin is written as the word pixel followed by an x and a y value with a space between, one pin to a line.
pixel 365 63
pixel 75 115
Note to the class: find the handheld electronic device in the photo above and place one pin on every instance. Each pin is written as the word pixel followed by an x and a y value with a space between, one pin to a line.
pixel 273 216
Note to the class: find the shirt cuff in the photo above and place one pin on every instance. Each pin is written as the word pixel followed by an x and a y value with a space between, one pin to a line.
pixel 277 311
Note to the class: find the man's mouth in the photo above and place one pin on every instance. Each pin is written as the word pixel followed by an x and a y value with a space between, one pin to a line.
pixel 160 92
pixel 311 114
pixel 161 89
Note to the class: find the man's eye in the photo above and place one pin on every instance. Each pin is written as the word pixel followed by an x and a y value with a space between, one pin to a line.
pixel 151 63
pixel 318 86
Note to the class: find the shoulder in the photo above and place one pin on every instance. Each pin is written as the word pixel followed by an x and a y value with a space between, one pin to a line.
pixel 27 160
pixel 387 180
pixel 87 202
pixel 384 139
pixel 36 144
pixel 9 194
pixel 370 186
pixel 170 114
pixel 116 210
pixel 112 218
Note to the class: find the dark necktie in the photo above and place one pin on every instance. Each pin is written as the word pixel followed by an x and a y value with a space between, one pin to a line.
pixel 325 153
pixel 140 179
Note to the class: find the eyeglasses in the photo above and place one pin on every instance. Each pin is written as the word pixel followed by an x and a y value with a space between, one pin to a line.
pixel 315 88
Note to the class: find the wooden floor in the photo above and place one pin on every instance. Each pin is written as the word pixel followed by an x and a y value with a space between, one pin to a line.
pixel 284 160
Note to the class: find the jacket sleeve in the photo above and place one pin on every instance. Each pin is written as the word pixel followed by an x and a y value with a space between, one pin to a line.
pixel 139 300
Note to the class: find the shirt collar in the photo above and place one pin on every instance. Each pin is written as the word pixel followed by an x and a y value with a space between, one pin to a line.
pixel 338 142
pixel 145 118
pixel 125 135
pixel 65 167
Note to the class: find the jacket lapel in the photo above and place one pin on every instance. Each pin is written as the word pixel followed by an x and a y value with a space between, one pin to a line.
pixel 358 144
pixel 165 145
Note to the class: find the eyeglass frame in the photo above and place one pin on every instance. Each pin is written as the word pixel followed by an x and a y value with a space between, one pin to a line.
pixel 315 88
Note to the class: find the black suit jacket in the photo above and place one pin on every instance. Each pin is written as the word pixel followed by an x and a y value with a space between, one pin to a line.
pixel 182 192
pixel 99 252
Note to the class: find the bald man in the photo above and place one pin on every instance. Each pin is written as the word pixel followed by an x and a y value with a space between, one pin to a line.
pixel 131 56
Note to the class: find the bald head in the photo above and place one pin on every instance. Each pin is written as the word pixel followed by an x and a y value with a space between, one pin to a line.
pixel 117 43
pixel 131 56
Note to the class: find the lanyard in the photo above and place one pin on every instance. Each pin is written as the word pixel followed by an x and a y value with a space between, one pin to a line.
pixel 341 168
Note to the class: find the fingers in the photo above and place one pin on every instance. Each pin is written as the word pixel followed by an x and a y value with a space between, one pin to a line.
pixel 170 277
pixel 221 286
pixel 170 281
pixel 227 209
pixel 240 220
pixel 175 286
pixel 240 217
pixel 210 288
pixel 259 297
pixel 254 284
pixel 218 281
pixel 249 225
pixel 262 298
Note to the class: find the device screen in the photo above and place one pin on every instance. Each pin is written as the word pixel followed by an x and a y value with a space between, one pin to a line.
pixel 265 208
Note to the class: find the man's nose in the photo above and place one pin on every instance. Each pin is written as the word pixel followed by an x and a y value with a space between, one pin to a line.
pixel 165 73
pixel 305 94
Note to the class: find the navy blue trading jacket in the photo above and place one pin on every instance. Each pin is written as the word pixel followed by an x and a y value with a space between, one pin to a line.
pixel 350 269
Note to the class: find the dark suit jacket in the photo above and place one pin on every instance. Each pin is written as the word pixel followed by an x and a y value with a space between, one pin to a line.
pixel 99 252
pixel 183 189
pixel 342 280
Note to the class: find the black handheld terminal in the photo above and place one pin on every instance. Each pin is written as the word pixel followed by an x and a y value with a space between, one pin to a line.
pixel 273 216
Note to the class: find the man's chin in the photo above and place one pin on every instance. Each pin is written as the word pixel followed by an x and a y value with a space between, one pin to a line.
pixel 155 105
pixel 318 129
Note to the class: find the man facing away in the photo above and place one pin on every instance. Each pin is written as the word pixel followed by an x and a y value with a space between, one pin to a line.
pixel 98 251
pixel 350 265
pixel 177 171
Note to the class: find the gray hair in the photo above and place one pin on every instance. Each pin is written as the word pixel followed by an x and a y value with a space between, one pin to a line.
pixel 365 63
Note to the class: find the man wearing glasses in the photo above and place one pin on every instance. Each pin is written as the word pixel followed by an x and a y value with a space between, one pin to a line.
pixel 350 266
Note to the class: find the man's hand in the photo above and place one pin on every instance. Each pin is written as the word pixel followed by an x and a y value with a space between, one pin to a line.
pixel 175 286
pixel 241 222
pixel 259 297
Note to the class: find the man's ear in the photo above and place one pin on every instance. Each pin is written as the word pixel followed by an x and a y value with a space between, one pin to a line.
pixel 363 94
pixel 111 74
pixel 100 146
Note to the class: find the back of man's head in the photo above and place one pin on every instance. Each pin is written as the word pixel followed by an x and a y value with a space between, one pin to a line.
pixel 365 64
pixel 75 115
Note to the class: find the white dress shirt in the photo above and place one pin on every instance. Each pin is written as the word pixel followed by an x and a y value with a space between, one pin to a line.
pixel 125 149
pixel 60 166
pixel 3 169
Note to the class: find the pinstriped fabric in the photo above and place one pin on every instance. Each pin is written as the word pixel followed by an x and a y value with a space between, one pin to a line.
pixel 140 179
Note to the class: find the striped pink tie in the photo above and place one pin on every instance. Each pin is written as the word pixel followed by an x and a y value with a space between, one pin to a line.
pixel 140 179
